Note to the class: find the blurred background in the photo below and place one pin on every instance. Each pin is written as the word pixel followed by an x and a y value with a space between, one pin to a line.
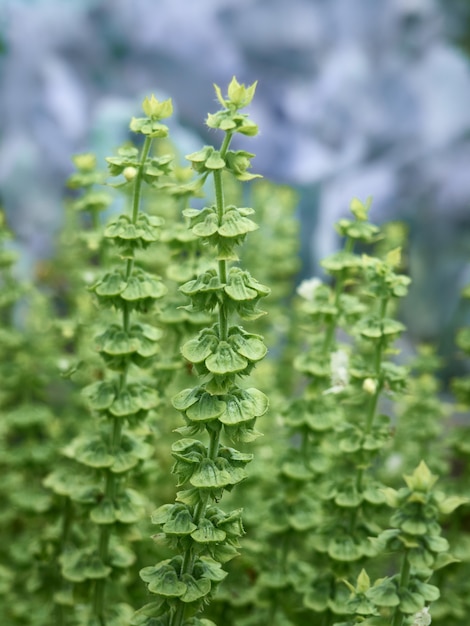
pixel 354 98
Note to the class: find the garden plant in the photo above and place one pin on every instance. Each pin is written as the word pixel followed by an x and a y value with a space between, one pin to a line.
pixel 192 436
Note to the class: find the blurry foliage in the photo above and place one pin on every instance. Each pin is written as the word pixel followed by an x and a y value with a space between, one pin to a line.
pixel 331 532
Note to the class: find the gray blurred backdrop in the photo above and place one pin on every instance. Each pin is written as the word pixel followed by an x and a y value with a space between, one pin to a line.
pixel 355 98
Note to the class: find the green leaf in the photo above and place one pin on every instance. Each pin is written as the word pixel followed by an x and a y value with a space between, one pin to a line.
pixel 162 514
pixel 130 453
pixel 151 609
pixel 81 565
pixel 121 556
pixel 186 398
pixel 205 567
pixel 163 580
pixel 223 552
pixel 215 161
pixel 224 360
pixel 145 126
pixel 249 346
pixel 238 289
pixel 384 593
pixel 344 549
pixel 180 523
pixel 448 505
pixel 198 349
pixel 209 476
pixel 410 602
pixel 206 408
pixel 207 222
pixel 420 559
pixel 359 230
pixel 112 284
pixel 144 231
pixel 243 405
pixel 206 532
pixel 116 341
pixel 94 453
pixel 147 396
pixel 143 286
pixel 296 470
pixel 129 506
pixel 430 593
pixel 235 224
pixel 126 403
pixel 104 512
pixel 436 544
pixel 348 497
pixel 374 327
pixel 100 395
pixel 340 261
pixel 231 523
pixel 414 526
pixel 195 589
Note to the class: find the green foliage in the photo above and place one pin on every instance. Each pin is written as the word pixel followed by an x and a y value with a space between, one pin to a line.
pixel 132 374
pixel 203 535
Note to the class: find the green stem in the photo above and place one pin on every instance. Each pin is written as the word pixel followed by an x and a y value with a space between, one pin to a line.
pixel 222 313
pixel 116 434
pixel 404 579
pixel 66 522
pixel 138 179
pixel 226 143
pixel 377 364
pixel 220 204
pixel 374 399
pixel 331 326
pixel 199 512
pixel 105 530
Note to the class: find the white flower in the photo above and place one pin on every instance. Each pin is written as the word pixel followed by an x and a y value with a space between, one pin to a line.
pixel 63 364
pixel 339 372
pixel 88 277
pixel 422 618
pixel 394 462
pixel 307 288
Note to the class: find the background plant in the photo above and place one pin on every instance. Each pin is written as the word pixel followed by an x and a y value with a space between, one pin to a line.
pixel 120 401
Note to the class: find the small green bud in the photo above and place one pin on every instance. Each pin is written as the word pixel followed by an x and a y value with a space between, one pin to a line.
pixel 238 162
pixel 363 582
pixel 393 257
pixel 248 128
pixel 129 173
pixel 360 210
pixel 421 479
pixel 84 162
pixel 157 110
pixel 238 95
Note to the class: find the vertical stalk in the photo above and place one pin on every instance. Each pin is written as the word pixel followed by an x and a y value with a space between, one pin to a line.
pixel 404 578
pixel 329 335
pixel 98 602
pixel 375 396
pixel 214 434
